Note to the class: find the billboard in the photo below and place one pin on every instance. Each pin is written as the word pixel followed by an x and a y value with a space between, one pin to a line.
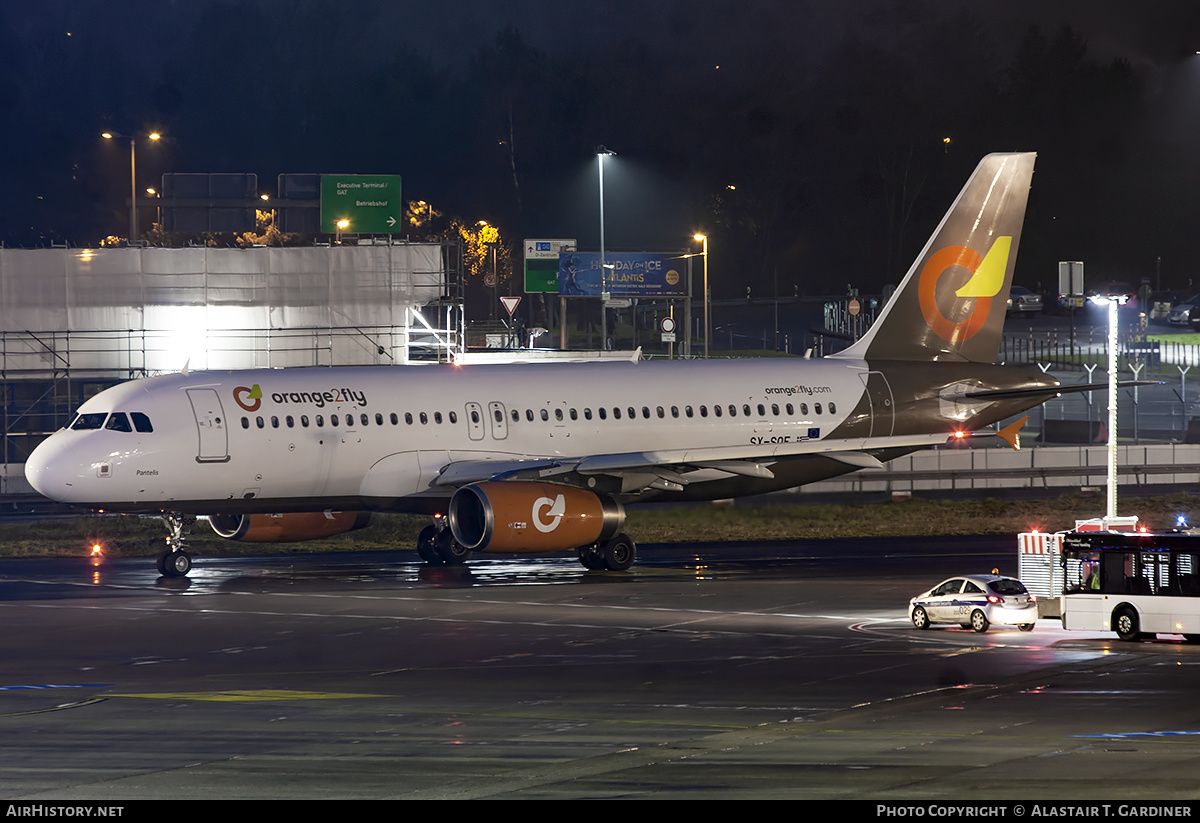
pixel 630 274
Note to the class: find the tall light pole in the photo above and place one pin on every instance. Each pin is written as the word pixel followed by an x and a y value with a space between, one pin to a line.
pixel 601 153
pixel 112 135
pixel 704 238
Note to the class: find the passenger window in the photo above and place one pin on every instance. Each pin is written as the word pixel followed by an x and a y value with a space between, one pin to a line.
pixel 616 412
pixel 333 419
pixel 675 411
pixel 762 411
pixel 704 411
pixel 775 409
pixel 141 422
pixel 545 415
pixel 558 415
pixel 378 419
pixel 395 419
pixel 661 414
pixel 717 411
pixel 291 422
pixel 320 422
pixel 529 415
pixel 574 414
pixel 437 418
pixel 424 419
pixel 732 410
pixel 304 420
pixel 645 412
pixel 746 409
pixel 350 420
pixel 516 416
pixel 790 410
pixel 603 413
pixel 274 422
pixel 687 410
pixel 804 409
pixel 587 414
pixel 832 409
pixel 817 408
pixel 118 422
pixel 245 422
pixel 453 417
pixel 262 424
pixel 366 421
pixel 408 418
pixel 632 413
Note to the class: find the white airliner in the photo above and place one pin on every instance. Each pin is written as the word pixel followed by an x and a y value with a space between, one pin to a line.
pixel 543 458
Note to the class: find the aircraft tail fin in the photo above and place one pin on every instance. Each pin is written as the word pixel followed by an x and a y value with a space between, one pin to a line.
pixel 951 304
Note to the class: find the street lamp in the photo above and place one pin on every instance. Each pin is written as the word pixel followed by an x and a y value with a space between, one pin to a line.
pixel 704 238
pixel 112 135
pixel 601 153
pixel 1113 302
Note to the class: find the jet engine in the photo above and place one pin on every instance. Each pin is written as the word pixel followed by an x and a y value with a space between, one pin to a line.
pixel 286 528
pixel 528 516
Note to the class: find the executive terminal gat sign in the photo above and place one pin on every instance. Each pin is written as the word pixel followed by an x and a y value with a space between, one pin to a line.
pixel 369 203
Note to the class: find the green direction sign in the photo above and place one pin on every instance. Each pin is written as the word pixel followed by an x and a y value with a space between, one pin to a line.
pixel 541 264
pixel 368 203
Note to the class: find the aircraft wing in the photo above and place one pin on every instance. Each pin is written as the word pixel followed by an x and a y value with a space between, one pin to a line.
pixel 673 465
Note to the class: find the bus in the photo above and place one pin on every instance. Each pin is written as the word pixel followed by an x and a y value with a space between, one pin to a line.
pixel 1135 584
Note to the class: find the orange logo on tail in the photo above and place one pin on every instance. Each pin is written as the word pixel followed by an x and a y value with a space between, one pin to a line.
pixel 987 278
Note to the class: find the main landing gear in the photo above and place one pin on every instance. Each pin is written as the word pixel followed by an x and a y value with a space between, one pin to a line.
pixel 175 561
pixel 615 555
pixel 438 547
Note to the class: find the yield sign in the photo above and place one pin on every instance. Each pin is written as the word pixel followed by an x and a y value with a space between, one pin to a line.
pixel 510 304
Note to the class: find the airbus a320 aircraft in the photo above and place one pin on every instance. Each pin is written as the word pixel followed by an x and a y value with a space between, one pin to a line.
pixel 544 458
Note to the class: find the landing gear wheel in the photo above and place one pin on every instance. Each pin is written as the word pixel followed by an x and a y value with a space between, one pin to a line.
pixel 174 564
pixel 427 546
pixel 590 557
pixel 619 553
pixel 451 552
pixel 979 621
pixel 920 618
pixel 1125 624
pixel 1026 627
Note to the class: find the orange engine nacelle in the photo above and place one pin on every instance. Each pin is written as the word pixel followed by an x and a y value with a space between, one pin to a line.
pixel 286 528
pixel 527 516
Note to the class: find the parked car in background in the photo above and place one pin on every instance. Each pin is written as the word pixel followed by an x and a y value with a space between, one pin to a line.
pixel 1162 303
pixel 1023 302
pixel 1185 313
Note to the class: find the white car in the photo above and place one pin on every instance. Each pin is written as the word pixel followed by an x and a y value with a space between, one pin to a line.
pixel 975 601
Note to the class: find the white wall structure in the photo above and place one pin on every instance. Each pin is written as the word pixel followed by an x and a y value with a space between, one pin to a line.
pixel 73 321
pixel 155 309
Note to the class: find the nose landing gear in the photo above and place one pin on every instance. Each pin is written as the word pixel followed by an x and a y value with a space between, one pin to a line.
pixel 175 561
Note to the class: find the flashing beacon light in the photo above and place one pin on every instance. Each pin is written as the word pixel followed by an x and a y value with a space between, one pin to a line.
pixel 1181 522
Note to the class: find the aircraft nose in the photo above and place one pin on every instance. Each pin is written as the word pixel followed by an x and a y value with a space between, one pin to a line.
pixel 46 470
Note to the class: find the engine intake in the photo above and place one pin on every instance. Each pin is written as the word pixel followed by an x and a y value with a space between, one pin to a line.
pixel 286 528
pixel 528 516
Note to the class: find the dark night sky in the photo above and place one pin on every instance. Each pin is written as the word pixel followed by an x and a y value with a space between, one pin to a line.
pixel 827 117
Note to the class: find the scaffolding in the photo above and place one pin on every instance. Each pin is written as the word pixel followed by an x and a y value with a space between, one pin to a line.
pixel 74 322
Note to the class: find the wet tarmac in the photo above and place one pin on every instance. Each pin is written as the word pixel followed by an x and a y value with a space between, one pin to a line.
pixel 783 669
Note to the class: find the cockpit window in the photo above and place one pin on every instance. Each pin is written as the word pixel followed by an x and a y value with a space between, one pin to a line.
pixel 118 422
pixel 141 422
pixel 93 420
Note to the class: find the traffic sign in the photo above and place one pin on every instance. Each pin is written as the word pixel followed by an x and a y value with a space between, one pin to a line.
pixel 541 264
pixel 368 203
pixel 510 304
